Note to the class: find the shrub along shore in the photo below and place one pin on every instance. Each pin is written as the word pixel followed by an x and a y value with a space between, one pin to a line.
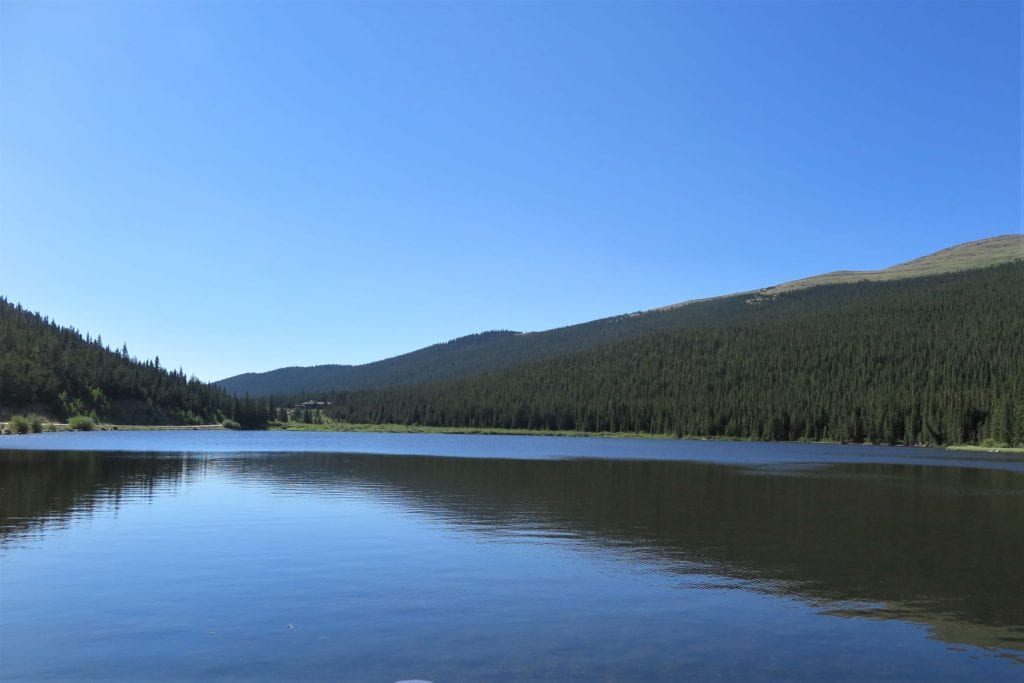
pixel 34 424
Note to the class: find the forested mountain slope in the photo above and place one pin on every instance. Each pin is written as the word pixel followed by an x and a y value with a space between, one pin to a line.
pixel 426 363
pixel 923 360
pixel 54 370
pixel 475 354
pixel 492 351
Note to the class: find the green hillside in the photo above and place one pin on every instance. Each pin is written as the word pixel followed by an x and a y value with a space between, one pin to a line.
pixel 492 351
pixel 921 360
pixel 904 359
pixel 55 371
pixel 425 364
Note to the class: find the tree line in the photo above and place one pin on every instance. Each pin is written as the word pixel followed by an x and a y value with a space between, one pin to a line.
pixel 932 360
pixel 56 370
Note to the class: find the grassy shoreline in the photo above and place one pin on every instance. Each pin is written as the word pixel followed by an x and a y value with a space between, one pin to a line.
pixel 105 427
pixel 1012 450
pixel 392 428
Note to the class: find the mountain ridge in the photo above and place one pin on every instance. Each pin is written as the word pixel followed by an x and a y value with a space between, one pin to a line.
pixel 966 256
pixel 924 360
pixel 981 253
pixel 489 351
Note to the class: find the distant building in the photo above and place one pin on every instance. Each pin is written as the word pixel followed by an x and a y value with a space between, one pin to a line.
pixel 313 405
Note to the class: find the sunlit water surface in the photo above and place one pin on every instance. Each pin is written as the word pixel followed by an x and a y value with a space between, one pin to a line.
pixel 381 557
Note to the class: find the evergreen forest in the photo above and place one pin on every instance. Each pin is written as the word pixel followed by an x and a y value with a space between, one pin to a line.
pixel 932 360
pixel 935 359
pixel 54 370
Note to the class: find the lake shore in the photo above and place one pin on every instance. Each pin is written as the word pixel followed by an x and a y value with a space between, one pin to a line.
pixel 392 428
pixel 986 449
pixel 103 427
pixel 424 429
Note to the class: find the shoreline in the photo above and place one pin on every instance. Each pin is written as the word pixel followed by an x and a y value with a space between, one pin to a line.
pixel 392 428
pixel 968 448
pixel 51 427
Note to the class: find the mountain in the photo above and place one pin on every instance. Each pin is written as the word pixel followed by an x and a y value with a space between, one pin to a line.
pixel 493 351
pixel 933 359
pixel 970 255
pixel 56 371
pixel 427 363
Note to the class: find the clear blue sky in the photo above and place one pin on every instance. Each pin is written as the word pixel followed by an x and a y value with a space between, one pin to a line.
pixel 238 187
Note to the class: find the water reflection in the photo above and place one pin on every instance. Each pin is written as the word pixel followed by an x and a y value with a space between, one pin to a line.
pixel 940 545
pixel 933 545
pixel 37 490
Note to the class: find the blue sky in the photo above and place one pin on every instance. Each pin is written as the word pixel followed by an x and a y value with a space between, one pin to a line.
pixel 237 187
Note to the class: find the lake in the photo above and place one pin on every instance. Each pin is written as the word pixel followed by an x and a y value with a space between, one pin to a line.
pixel 381 557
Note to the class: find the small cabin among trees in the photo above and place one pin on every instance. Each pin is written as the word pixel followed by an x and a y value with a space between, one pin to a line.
pixel 313 405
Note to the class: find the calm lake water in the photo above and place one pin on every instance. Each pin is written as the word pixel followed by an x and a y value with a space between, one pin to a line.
pixel 381 557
